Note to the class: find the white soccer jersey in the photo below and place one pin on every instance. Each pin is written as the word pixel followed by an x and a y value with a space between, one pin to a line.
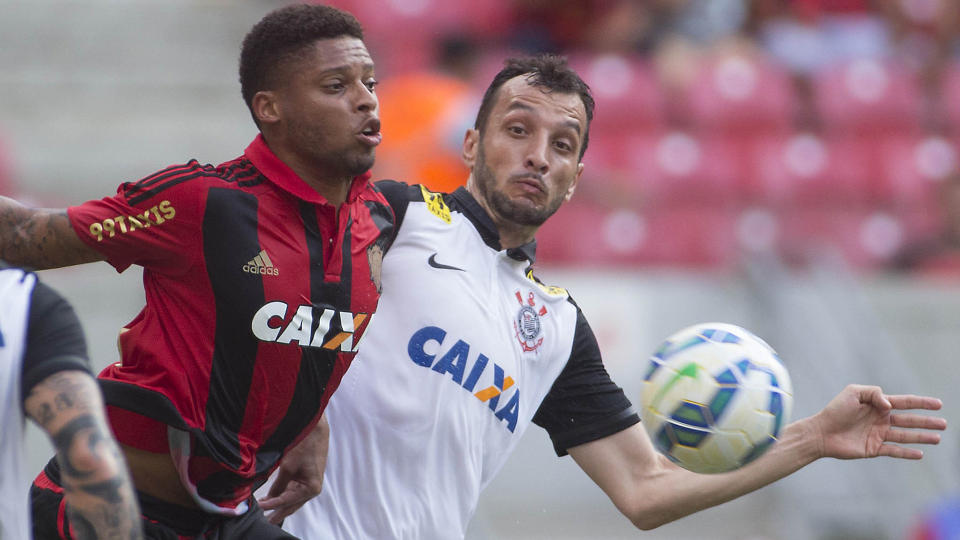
pixel 15 289
pixel 39 335
pixel 465 349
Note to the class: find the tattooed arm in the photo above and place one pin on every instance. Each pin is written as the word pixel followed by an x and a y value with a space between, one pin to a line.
pixel 40 238
pixel 97 488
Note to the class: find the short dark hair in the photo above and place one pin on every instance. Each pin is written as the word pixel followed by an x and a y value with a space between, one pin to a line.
pixel 549 71
pixel 281 36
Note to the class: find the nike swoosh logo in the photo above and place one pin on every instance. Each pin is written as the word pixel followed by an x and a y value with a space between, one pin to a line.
pixel 432 261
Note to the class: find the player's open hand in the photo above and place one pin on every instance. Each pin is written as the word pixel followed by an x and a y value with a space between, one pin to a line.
pixel 861 421
pixel 300 475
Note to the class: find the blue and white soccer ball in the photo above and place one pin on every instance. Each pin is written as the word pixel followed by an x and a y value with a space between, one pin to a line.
pixel 715 397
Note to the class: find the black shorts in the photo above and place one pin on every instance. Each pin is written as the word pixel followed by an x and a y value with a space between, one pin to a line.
pixel 161 520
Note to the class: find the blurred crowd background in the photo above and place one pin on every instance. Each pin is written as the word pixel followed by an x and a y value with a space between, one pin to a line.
pixel 787 165
pixel 801 126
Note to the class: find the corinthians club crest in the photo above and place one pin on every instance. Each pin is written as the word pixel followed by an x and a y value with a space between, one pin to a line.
pixel 526 324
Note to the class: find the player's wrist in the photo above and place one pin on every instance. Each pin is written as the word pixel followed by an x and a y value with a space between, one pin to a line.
pixel 808 436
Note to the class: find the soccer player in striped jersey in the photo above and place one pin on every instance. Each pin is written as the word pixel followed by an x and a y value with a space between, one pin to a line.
pixel 45 375
pixel 260 277
pixel 468 349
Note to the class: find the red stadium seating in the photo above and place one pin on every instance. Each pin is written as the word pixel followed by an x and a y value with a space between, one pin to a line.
pixel 861 237
pixel 627 95
pixel 950 94
pixel 803 168
pixel 403 33
pixel 404 19
pixel 585 233
pixel 740 92
pixel 909 168
pixel 867 96
pixel 666 167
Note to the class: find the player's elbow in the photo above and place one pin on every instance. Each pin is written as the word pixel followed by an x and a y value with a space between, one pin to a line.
pixel 647 520
pixel 643 512
pixel 87 465
pixel 650 506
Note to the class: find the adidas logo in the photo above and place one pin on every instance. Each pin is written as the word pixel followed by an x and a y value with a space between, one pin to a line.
pixel 261 264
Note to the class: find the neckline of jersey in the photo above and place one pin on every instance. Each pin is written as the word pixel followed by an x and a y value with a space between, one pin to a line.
pixel 467 204
pixel 281 175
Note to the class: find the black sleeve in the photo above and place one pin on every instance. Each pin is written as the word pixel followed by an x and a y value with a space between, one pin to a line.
pixel 398 196
pixel 584 404
pixel 55 340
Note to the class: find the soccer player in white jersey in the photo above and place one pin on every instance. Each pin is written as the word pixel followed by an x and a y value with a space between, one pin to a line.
pixel 468 348
pixel 44 375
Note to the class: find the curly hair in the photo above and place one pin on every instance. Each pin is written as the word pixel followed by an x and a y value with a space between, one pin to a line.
pixel 548 71
pixel 281 36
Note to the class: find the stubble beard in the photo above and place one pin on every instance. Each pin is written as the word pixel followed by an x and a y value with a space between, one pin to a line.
pixel 502 205
pixel 345 162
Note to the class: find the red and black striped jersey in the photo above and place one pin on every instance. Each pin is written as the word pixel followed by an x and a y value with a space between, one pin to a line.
pixel 257 294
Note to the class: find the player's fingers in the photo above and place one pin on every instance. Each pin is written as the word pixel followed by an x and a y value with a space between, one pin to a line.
pixel 269 503
pixel 874 396
pixel 291 505
pixel 912 437
pixel 282 513
pixel 900 452
pixel 279 501
pixel 909 401
pixel 918 421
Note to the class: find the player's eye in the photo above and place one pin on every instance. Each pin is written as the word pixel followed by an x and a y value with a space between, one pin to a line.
pixel 371 84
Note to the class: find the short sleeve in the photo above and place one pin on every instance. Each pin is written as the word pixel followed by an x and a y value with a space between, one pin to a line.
pixel 55 340
pixel 584 404
pixel 398 196
pixel 154 222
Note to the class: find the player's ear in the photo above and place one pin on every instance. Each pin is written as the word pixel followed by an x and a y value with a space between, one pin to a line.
pixel 469 152
pixel 265 107
pixel 576 181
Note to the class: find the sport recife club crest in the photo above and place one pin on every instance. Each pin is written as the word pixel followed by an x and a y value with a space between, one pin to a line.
pixel 526 324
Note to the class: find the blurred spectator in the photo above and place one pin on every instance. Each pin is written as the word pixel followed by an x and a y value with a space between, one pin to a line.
pixel 809 35
pixel 938 255
pixel 563 26
pixel 924 37
pixel 425 116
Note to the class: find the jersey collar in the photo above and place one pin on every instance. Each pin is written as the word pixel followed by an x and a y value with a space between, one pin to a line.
pixel 469 207
pixel 283 176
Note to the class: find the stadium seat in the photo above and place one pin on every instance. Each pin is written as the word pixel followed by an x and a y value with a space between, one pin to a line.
pixel 950 94
pixel 587 233
pixel 909 168
pixel 403 33
pixel 741 93
pixel 667 166
pixel 866 96
pixel 804 168
pixel 864 238
pixel 406 18
pixel 627 95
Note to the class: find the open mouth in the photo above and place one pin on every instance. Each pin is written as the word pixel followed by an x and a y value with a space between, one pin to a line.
pixel 370 134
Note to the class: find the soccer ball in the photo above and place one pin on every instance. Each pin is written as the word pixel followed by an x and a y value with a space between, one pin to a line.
pixel 715 397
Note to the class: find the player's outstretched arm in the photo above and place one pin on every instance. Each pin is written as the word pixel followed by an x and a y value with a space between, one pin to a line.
pixel 97 487
pixel 860 422
pixel 40 238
